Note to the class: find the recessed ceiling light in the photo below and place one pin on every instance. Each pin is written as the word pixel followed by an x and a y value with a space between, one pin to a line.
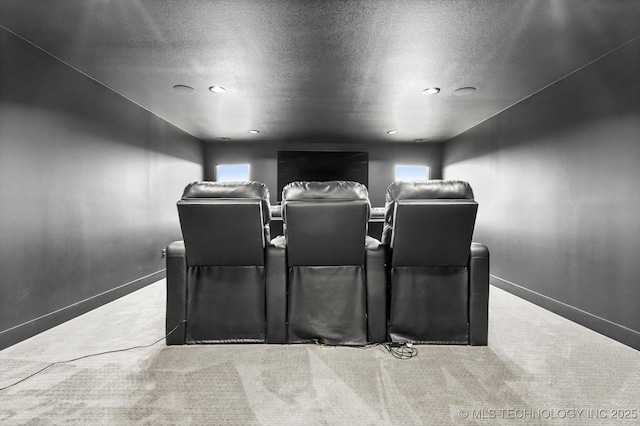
pixel 463 91
pixel 431 91
pixel 217 89
pixel 183 89
pixel 254 132
pixel 392 132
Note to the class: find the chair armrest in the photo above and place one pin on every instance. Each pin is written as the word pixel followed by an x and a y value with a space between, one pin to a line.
pixel 176 293
pixel 276 294
pixel 376 294
pixel 478 294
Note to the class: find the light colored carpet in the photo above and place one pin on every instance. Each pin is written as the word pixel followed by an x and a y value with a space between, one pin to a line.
pixel 538 369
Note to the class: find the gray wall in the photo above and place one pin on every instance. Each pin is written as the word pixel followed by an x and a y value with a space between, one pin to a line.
pixel 263 158
pixel 88 185
pixel 556 177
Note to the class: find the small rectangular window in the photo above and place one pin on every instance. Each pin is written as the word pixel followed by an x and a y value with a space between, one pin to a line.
pixel 412 173
pixel 232 172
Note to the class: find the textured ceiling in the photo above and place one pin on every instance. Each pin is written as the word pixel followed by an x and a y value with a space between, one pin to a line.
pixel 324 70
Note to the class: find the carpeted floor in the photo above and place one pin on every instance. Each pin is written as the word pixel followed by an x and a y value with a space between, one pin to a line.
pixel 538 369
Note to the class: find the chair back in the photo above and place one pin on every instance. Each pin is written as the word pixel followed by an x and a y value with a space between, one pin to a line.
pixel 225 223
pixel 325 223
pixel 429 223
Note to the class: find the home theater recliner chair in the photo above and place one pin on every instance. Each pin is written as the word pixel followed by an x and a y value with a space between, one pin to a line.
pixel 216 278
pixel 438 278
pixel 325 226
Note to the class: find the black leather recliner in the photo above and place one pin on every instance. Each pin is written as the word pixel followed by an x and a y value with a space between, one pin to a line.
pixel 336 286
pixel 438 278
pixel 216 277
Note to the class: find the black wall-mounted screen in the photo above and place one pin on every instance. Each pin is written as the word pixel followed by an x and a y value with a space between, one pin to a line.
pixel 322 166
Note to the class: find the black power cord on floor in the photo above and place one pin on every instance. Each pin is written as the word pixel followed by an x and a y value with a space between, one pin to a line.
pixel 92 355
pixel 401 350
pixel 397 350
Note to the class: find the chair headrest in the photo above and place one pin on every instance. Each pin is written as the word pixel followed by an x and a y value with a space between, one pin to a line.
pixel 248 189
pixel 208 189
pixel 431 189
pixel 328 190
